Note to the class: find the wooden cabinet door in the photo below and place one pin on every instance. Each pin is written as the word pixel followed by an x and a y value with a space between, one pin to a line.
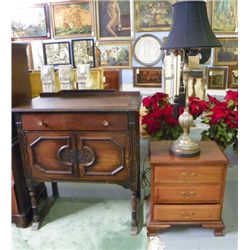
pixel 51 155
pixel 104 156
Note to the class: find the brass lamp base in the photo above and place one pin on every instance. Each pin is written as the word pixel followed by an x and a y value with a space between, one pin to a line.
pixel 184 146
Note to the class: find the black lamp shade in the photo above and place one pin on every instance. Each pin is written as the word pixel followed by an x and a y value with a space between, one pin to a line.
pixel 190 27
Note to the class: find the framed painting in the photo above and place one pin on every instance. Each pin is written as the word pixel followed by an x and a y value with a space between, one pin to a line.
pixel 233 77
pixel 114 54
pixel 224 16
pixel 147 50
pixel 148 77
pixel 217 78
pixel 228 53
pixel 83 52
pixel 73 18
pixel 95 79
pixel 153 15
pixel 115 19
pixel 30 22
pixel 56 53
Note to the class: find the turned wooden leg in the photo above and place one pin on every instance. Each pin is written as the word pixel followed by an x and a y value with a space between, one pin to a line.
pixel 134 214
pixel 36 217
pixel 55 189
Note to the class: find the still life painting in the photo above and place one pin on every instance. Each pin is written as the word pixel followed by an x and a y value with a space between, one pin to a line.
pixel 217 78
pixel 115 19
pixel 30 22
pixel 153 15
pixel 224 16
pixel 72 18
pixel 114 54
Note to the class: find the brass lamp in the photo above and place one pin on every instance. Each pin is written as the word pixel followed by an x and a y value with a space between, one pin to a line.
pixel 190 31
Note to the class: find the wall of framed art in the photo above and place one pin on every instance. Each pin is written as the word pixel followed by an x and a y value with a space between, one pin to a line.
pixel 121 35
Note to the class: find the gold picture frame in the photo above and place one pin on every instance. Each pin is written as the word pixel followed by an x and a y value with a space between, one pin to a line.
pixel 115 20
pixel 153 15
pixel 95 80
pixel 224 16
pixel 217 78
pixel 114 54
pixel 233 77
pixel 228 53
pixel 73 18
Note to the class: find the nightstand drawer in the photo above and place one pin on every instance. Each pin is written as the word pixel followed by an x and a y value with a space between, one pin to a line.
pixel 186 212
pixel 206 193
pixel 188 173
pixel 87 122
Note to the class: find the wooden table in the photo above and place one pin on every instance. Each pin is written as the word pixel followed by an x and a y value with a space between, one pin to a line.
pixel 81 136
pixel 186 191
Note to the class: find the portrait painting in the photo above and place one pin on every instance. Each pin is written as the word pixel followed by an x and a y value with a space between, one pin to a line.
pixel 115 19
pixel 30 22
pixel 224 16
pixel 217 78
pixel 83 52
pixel 233 77
pixel 228 53
pixel 153 15
pixel 56 53
pixel 114 54
pixel 72 18
pixel 148 77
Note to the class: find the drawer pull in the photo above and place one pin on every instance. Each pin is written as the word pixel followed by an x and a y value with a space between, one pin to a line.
pixel 105 123
pixel 187 215
pixel 187 173
pixel 188 194
pixel 41 123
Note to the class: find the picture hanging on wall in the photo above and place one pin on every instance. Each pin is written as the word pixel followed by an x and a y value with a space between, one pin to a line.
pixel 115 19
pixel 114 54
pixel 217 78
pixel 233 77
pixel 153 15
pixel 83 52
pixel 147 50
pixel 148 77
pixel 224 16
pixel 74 18
pixel 30 22
pixel 56 53
pixel 228 53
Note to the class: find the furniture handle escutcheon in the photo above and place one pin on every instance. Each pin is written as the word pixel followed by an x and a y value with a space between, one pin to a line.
pixel 105 123
pixel 187 215
pixel 41 123
pixel 188 173
pixel 188 194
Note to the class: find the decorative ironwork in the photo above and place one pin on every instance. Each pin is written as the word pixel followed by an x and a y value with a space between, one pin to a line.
pixel 86 156
pixel 66 154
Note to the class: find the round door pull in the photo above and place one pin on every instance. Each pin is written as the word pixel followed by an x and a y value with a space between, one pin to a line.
pixel 40 123
pixel 105 123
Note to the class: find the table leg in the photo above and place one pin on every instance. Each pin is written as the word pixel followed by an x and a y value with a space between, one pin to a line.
pixel 36 217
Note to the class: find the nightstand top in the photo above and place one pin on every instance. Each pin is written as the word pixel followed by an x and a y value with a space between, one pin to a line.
pixel 210 154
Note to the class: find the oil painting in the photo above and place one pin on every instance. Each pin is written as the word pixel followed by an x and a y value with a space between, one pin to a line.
pixel 154 15
pixel 217 78
pixel 228 53
pixel 224 16
pixel 115 19
pixel 83 52
pixel 233 77
pixel 114 54
pixel 30 22
pixel 148 77
pixel 72 18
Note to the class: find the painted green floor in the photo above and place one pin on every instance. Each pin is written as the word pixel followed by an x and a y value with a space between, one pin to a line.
pixel 78 224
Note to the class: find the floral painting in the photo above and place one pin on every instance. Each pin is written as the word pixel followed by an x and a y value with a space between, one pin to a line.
pixel 153 15
pixel 115 19
pixel 114 55
pixel 224 16
pixel 72 18
pixel 147 77
pixel 83 52
pixel 30 22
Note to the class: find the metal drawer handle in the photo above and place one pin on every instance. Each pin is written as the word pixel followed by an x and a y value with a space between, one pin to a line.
pixel 105 123
pixel 188 194
pixel 187 215
pixel 187 173
pixel 41 123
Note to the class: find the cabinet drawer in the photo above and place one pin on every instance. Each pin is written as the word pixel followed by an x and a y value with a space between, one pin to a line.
pixel 186 212
pixel 87 122
pixel 188 193
pixel 188 173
